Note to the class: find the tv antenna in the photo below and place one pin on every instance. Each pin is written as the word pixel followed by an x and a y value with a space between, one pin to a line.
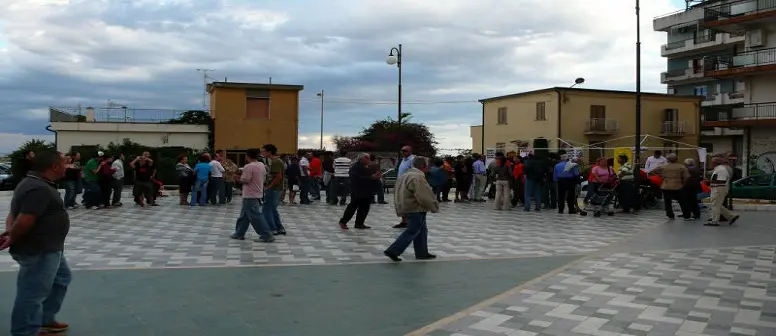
pixel 205 77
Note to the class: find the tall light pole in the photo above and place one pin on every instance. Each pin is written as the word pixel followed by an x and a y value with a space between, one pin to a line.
pixel 637 149
pixel 205 77
pixel 394 58
pixel 320 94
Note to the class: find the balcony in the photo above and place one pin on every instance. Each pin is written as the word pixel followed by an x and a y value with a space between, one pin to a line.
pixel 682 75
pixel 702 43
pixel 747 115
pixel 726 98
pixel 674 129
pixel 597 126
pixel 749 62
pixel 737 15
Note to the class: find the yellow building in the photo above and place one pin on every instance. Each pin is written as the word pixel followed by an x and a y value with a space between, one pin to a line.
pixel 585 117
pixel 248 115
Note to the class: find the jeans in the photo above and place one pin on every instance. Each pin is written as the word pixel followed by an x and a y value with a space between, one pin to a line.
pixel 416 234
pixel 304 189
pixel 533 189
pixel 315 186
pixel 118 187
pixel 71 191
pixel 270 209
pixel 200 187
pixel 250 215
pixel 380 191
pixel 217 184
pixel 228 191
pixel 92 194
pixel 41 286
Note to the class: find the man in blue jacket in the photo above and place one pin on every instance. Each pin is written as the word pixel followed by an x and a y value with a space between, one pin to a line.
pixel 566 176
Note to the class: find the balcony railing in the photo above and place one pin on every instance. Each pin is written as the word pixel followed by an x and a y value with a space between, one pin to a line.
pixel 737 8
pixel 736 95
pixel 676 128
pixel 676 45
pixel 744 59
pixel 755 112
pixel 715 116
pixel 601 125
pixel 114 115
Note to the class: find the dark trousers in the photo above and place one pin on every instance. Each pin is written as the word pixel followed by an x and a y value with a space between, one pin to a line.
pixel 518 194
pixel 446 190
pixel 533 189
pixel 117 186
pixel 691 201
pixel 550 194
pixel 359 207
pixel 217 193
pixel 92 194
pixel 380 191
pixel 627 195
pixel 567 193
pixel 143 190
pixel 105 190
pixel 304 189
pixel 668 197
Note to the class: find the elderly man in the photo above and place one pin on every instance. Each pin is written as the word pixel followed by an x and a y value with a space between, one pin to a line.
pixel 413 198
pixel 675 176
pixel 720 183
pixel 566 176
pixel 405 163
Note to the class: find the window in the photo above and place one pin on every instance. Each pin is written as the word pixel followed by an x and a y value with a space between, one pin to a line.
pixel 500 147
pixel 237 158
pixel 597 112
pixel 257 108
pixel 502 116
pixel 671 90
pixel 671 115
pixel 540 111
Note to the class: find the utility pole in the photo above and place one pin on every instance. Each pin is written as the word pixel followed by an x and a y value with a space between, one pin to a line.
pixel 637 149
pixel 205 77
pixel 320 94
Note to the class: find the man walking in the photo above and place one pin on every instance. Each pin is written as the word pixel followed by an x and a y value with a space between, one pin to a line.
pixel 720 182
pixel 273 188
pixel 480 178
pixel 413 199
pixel 252 178
pixel 36 228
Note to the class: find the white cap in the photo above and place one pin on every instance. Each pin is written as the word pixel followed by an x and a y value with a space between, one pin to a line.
pixel 100 153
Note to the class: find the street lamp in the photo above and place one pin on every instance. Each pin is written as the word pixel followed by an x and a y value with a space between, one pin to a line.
pixel 637 149
pixel 577 81
pixel 394 58
pixel 320 94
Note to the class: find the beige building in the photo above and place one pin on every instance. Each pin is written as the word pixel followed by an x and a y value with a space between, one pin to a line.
pixel 586 117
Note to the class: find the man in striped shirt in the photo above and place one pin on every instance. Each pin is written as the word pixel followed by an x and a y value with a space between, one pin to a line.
pixel 339 184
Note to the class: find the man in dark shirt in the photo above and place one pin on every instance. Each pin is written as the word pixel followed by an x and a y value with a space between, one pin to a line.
pixel 36 228
pixel 535 174
pixel 143 188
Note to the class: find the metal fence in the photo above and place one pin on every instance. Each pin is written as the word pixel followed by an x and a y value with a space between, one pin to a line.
pixel 114 115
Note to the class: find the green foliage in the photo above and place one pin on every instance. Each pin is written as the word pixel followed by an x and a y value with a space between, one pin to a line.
pixel 18 156
pixel 196 117
pixel 164 158
pixel 388 135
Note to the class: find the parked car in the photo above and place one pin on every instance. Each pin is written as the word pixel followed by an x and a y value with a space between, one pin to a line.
pixel 759 187
pixel 6 177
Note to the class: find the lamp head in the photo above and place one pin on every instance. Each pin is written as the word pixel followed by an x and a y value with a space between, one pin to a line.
pixel 392 59
pixel 579 80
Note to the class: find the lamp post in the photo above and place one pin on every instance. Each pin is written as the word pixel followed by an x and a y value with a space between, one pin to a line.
pixel 577 81
pixel 394 58
pixel 320 94
pixel 637 149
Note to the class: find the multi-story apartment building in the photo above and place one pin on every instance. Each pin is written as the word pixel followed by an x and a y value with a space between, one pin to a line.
pixel 725 51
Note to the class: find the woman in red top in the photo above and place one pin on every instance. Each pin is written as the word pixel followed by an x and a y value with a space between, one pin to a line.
pixel 517 183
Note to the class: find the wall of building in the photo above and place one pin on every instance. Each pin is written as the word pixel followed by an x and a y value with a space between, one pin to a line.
pixel 476 135
pixel 761 89
pixel 153 135
pixel 575 113
pixel 521 119
pixel 234 131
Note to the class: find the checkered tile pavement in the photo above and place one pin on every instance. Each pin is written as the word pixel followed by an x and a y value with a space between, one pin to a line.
pixel 727 291
pixel 180 236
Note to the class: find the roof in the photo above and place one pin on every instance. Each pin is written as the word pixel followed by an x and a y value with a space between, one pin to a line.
pixel 583 91
pixel 253 86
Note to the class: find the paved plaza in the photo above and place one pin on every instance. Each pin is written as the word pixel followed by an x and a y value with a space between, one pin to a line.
pixel 172 270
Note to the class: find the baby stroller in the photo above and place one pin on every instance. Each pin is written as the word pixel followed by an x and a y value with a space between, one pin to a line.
pixel 602 201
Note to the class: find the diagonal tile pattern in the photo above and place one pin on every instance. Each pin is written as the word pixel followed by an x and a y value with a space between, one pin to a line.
pixel 726 291
pixel 179 236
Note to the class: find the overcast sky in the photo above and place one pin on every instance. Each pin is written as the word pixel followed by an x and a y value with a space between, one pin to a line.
pixel 143 53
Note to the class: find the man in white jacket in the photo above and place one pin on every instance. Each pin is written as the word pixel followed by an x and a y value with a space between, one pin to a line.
pixel 118 179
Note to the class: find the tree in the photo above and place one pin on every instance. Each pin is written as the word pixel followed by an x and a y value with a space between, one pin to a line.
pixel 388 135
pixel 17 157
pixel 197 117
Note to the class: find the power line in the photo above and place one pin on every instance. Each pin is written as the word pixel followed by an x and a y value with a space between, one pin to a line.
pixel 385 102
